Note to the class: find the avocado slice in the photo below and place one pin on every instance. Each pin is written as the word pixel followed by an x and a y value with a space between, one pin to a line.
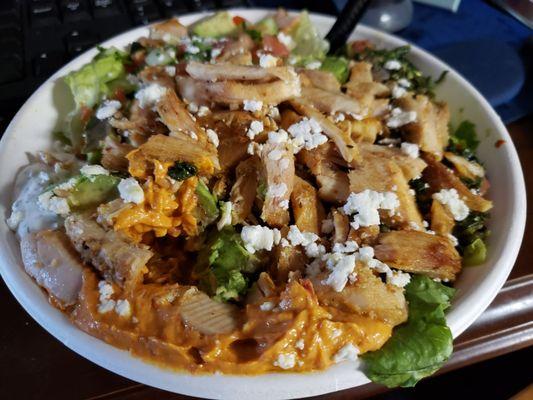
pixel 214 26
pixel 267 26
pixel 90 191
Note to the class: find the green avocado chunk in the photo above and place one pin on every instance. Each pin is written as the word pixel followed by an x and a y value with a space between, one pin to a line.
pixel 90 191
pixel 214 26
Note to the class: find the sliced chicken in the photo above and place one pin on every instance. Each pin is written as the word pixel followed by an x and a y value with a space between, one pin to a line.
pixel 108 251
pixel 364 131
pixel 321 79
pixel 465 168
pixel 439 177
pixel 346 146
pixel 369 94
pixel 333 183
pixel 442 221
pixel 170 31
pixel 341 226
pixel 50 259
pixel 141 124
pixel 411 167
pixel 234 48
pixel 278 167
pixel 231 72
pixel 306 207
pixel 244 190
pixel 114 154
pixel 368 295
pixel 286 260
pixel 419 252
pixel 330 102
pixel 430 130
pixel 383 175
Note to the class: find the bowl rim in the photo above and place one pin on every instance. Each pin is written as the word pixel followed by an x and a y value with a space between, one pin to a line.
pixel 82 343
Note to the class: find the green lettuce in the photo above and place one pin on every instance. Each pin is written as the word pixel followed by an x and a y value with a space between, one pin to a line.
pixel 309 46
pixel 464 141
pixel 91 83
pixel 338 66
pixel 422 345
pixel 222 264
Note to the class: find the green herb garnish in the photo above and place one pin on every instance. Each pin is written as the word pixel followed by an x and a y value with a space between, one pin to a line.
pixel 182 170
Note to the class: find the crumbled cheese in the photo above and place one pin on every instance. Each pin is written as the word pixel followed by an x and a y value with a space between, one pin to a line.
pixel 256 237
pixel 284 204
pixel 286 40
pixel 266 306
pixel 256 127
pixel 398 278
pixel 456 206
pixel 275 155
pixel 267 61
pixel 89 170
pixel 285 360
pixel 400 118
pixel 130 191
pixel 404 82
pixel 150 94
pixel 313 65
pixel 349 246
pixel 339 118
pixel 284 164
pixel 392 65
pixel 193 108
pixel 453 239
pixel 306 133
pixel 279 136
pixel 300 344
pixel 107 109
pixel 225 218
pixel 347 353
pixel 314 250
pixel 410 149
pixel 57 205
pixel 273 112
pixel 170 70
pixel 203 111
pixel 365 206
pixel 252 105
pixel 327 226
pixel 106 304
pixel 341 266
pixel 391 141
pixel 212 136
pixel 313 269
pixel 277 190
pixel 296 237
pixel 215 52
pixel 398 91
pixel 123 308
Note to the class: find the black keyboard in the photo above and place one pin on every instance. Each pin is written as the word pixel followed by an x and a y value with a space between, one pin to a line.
pixel 37 37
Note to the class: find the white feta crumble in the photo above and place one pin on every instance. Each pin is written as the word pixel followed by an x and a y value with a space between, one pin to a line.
pixel 273 112
pixel 105 291
pixel 392 65
pixel 286 40
pixel 266 306
pixel 306 133
pixel 296 237
pixel 404 82
pixel 410 149
pixel 130 191
pixel 275 154
pixel 150 94
pixel 256 127
pixel 400 118
pixel 170 70
pixel 284 204
pixel 365 205
pixel 453 239
pixel 215 52
pixel 203 111
pixel 89 170
pixel 192 108
pixel 123 308
pixel 284 164
pixel 257 237
pixel 339 117
pixel 300 344
pixel 314 250
pixel 225 218
pixel 313 65
pixel 50 202
pixel 212 136
pixel 252 105
pixel 341 266
pixel 313 269
pixel 279 136
pixel 336 333
pixel 398 91
pixel 456 206
pixel 277 190
pixel 398 278
pixel 348 352
pixel 107 109
pixel 267 61
pixel 285 360
pixel 350 246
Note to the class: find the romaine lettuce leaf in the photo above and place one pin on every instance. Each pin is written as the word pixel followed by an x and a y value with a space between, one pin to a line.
pixel 309 46
pixel 422 345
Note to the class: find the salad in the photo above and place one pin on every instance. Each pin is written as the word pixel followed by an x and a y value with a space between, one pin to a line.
pixel 227 197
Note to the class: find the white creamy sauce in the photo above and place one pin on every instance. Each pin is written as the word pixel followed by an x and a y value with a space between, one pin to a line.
pixel 26 215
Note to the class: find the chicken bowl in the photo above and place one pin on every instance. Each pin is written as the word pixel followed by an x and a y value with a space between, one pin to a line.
pixel 214 206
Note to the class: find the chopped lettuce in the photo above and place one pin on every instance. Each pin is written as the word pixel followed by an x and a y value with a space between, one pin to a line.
pixel 338 66
pixel 422 345
pixel 215 26
pixel 267 26
pixel 309 46
pixel 464 141
pixel 222 263
pixel 475 253
pixel 207 211
pixel 471 233
pixel 90 84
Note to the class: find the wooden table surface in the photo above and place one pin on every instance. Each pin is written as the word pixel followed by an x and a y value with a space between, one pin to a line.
pixel 34 365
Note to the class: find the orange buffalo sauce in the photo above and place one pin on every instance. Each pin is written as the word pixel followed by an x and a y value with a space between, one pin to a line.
pixel 297 327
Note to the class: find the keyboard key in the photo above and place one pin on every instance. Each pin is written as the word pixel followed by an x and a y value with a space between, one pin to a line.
pixel 12 68
pixel 77 42
pixel 202 4
pixel 47 63
pixel 75 10
pixel 105 8
pixel 44 13
pixel 173 7
pixel 144 13
pixel 9 10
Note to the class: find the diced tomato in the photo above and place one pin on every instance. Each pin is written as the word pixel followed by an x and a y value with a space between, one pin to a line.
pixel 85 114
pixel 238 20
pixel 359 46
pixel 120 95
pixel 272 45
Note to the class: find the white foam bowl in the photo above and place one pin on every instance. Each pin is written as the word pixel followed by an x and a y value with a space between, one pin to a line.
pixel 31 130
